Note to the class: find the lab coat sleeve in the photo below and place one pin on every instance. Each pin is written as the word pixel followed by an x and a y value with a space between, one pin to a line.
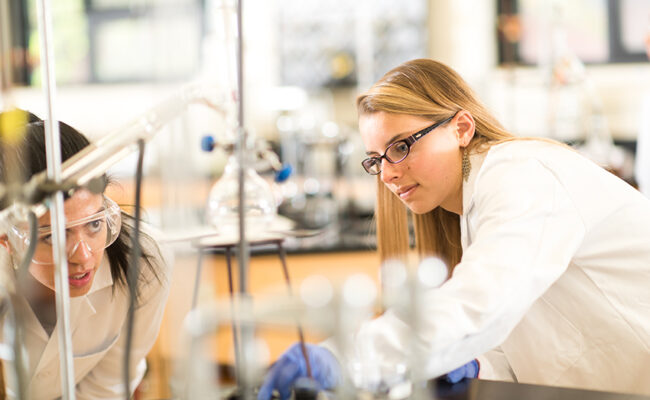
pixel 494 365
pixel 525 232
pixel 106 381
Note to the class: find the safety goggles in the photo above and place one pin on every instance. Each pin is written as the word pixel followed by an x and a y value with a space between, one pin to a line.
pixel 92 234
pixel 397 151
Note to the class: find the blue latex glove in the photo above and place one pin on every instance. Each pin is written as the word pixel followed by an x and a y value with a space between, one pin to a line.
pixel 469 370
pixel 325 370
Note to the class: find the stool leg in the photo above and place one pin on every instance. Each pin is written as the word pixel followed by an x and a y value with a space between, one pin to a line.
pixel 229 265
pixel 285 270
pixel 301 337
pixel 235 332
pixel 197 280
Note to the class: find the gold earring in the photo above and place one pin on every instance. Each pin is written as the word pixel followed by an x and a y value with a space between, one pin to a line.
pixel 466 166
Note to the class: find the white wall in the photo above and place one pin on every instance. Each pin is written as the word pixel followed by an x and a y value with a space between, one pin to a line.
pixel 463 36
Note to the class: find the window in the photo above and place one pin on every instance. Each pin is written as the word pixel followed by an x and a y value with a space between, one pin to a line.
pixel 596 31
pixel 102 41
pixel 333 43
pixel 140 41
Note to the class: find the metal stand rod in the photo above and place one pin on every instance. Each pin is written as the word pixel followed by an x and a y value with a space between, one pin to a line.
pixel 243 253
pixel 301 337
pixel 53 153
pixel 6 67
pixel 231 290
pixel 235 327
pixel 14 323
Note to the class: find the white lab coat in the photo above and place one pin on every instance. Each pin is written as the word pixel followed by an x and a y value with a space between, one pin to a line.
pixel 98 328
pixel 554 284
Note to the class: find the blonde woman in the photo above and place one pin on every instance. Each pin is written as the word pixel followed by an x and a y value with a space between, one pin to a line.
pixel 548 254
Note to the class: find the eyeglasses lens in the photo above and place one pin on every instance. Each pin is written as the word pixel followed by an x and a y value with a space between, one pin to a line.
pixel 372 166
pixel 397 151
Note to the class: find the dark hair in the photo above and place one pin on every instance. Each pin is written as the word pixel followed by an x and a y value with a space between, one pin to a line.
pixel 32 160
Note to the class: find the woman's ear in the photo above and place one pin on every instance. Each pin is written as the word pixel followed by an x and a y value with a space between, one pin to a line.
pixel 465 127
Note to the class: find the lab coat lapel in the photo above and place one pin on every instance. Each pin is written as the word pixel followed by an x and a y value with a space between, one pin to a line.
pixel 47 372
pixel 78 306
pixel 84 306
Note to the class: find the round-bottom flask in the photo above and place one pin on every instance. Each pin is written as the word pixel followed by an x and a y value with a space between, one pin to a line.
pixel 260 207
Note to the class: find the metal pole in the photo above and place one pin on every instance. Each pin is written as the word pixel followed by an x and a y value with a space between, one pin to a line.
pixel 6 69
pixel 241 152
pixel 245 328
pixel 301 337
pixel 53 153
pixel 236 334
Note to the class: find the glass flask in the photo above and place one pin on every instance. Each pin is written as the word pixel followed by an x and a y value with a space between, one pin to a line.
pixel 260 204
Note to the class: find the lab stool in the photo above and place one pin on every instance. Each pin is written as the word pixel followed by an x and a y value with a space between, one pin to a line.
pixel 217 243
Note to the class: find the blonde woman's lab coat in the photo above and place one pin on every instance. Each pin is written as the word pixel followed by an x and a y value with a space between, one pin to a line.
pixel 554 284
pixel 98 329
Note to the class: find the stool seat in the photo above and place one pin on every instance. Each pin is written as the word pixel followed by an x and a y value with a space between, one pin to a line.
pixel 253 239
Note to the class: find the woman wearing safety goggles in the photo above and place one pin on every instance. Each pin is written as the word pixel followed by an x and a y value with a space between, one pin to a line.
pixel 87 236
pixel 98 247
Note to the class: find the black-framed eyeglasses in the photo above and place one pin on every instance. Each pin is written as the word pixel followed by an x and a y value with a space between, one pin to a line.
pixel 397 151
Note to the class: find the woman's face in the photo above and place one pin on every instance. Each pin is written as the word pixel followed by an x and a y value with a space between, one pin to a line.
pixel 82 262
pixel 430 176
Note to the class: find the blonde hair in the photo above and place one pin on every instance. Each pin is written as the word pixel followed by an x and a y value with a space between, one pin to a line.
pixel 432 90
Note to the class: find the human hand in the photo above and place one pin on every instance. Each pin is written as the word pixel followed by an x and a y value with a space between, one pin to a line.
pixel 469 370
pixel 325 370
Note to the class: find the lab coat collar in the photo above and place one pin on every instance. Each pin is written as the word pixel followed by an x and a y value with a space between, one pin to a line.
pixel 103 279
pixel 103 276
